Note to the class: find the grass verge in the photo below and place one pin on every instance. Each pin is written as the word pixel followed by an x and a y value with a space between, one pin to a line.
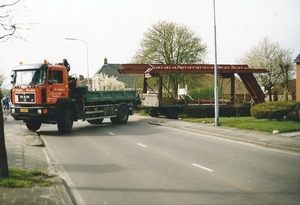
pixel 19 178
pixel 251 123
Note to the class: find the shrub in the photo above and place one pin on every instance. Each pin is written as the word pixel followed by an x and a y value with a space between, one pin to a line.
pixel 294 114
pixel 272 110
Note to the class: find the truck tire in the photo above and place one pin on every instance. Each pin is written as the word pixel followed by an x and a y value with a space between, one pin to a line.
pixel 153 113
pixel 65 122
pixel 122 115
pixel 95 122
pixel 173 113
pixel 33 125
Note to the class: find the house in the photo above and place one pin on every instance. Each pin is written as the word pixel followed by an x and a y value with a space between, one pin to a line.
pixel 297 61
pixel 111 70
pixel 82 81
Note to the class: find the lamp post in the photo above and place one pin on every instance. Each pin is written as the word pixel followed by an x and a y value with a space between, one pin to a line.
pixel 216 72
pixel 87 57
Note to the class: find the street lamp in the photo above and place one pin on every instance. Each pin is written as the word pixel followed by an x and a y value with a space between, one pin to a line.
pixel 87 57
pixel 216 71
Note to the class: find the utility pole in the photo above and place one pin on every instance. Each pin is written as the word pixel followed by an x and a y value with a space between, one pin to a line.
pixel 216 71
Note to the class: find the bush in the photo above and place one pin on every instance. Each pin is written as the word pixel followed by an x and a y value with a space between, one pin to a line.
pixel 294 114
pixel 272 110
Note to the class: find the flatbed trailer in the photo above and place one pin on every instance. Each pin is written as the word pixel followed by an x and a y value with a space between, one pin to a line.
pixel 171 106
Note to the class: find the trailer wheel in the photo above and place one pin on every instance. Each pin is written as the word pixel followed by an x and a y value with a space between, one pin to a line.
pixel 95 122
pixel 122 115
pixel 33 125
pixel 153 113
pixel 65 122
pixel 173 113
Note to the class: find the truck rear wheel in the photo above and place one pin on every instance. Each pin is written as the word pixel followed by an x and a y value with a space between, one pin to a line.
pixel 65 122
pixel 33 125
pixel 122 115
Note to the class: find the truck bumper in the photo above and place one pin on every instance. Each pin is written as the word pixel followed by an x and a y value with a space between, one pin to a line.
pixel 32 114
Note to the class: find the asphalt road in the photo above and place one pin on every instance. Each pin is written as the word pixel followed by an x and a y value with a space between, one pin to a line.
pixel 139 163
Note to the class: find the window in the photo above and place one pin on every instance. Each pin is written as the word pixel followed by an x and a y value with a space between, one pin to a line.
pixel 55 76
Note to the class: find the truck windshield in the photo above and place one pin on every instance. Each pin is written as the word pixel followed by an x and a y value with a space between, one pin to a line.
pixel 30 77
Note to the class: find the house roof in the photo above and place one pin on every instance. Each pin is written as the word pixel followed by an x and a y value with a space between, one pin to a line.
pixel 112 70
pixel 297 60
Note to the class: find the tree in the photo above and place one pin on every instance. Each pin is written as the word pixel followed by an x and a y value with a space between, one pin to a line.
pixel 3 156
pixel 108 83
pixel 286 70
pixel 2 76
pixel 276 60
pixel 171 43
pixel 7 29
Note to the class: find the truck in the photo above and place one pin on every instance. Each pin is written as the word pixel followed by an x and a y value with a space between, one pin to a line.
pixel 46 93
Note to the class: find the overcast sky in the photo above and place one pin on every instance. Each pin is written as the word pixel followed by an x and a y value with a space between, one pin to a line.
pixel 114 29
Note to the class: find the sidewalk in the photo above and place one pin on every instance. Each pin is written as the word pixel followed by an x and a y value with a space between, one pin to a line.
pixel 25 150
pixel 284 141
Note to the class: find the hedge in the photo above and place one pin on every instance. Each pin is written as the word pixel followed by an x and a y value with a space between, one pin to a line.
pixel 273 110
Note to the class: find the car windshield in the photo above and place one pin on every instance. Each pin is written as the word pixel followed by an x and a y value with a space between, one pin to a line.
pixel 32 77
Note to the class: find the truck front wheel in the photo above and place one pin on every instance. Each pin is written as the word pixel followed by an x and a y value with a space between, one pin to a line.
pixel 33 125
pixel 122 115
pixel 65 122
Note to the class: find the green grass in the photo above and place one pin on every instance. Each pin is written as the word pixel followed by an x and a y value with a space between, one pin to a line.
pixel 251 123
pixel 19 178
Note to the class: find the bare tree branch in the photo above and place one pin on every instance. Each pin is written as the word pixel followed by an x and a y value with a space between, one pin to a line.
pixel 11 4
pixel 6 21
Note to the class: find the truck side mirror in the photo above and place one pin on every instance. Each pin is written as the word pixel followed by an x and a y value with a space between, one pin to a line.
pixel 12 76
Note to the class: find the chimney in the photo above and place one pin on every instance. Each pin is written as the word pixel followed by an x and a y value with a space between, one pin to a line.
pixel 105 61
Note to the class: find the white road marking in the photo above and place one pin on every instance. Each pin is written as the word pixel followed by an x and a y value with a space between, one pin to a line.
pixel 142 145
pixel 111 133
pixel 201 167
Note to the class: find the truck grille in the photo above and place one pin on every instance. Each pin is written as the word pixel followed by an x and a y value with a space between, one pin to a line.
pixel 25 97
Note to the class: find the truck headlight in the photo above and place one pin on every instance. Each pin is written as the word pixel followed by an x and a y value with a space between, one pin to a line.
pixel 12 110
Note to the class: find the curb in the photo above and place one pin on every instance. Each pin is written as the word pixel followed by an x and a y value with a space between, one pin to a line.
pixel 250 141
pixel 61 186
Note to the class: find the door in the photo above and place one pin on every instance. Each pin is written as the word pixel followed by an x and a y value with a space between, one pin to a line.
pixel 57 87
